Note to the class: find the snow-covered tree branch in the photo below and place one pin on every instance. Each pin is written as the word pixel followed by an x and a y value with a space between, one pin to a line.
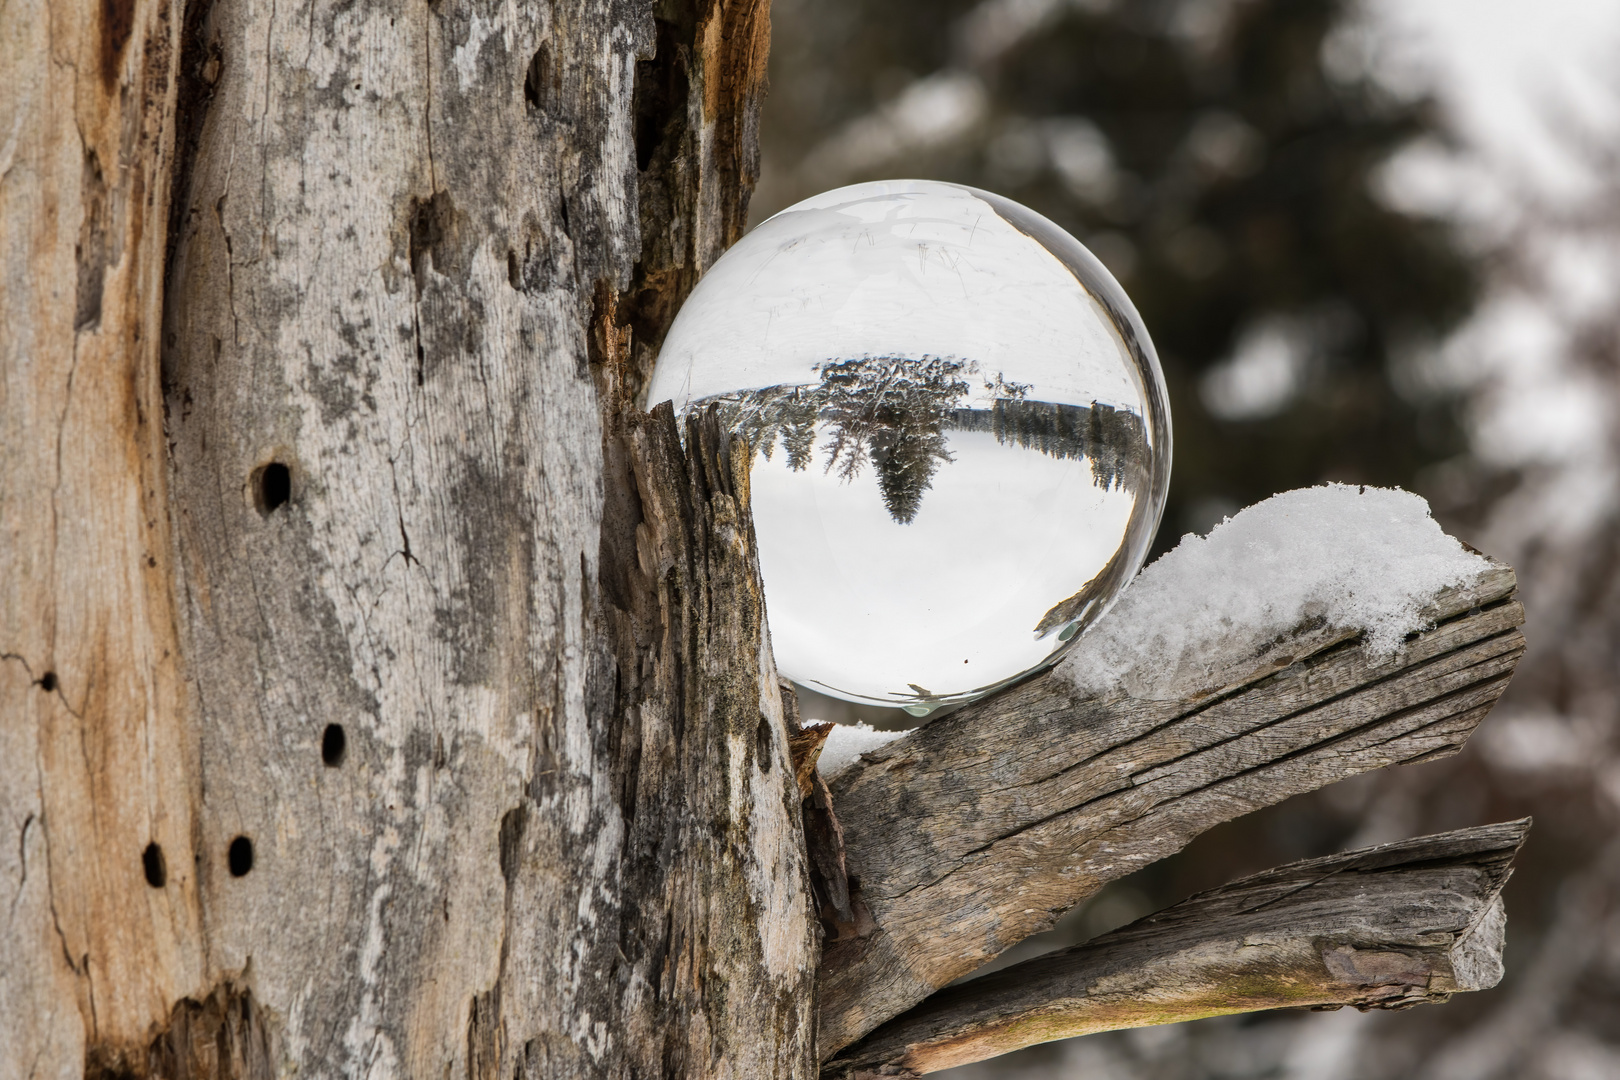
pixel 1267 660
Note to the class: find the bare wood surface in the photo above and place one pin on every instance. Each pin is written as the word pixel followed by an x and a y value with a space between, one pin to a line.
pixel 564 837
pixel 1383 927
pixel 717 907
pixel 482 686
pixel 94 749
pixel 982 828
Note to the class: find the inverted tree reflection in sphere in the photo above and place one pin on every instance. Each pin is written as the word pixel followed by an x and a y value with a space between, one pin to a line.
pixel 960 431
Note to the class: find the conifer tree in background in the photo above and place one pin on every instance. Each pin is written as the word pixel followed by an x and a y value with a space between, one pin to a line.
pixel 1223 159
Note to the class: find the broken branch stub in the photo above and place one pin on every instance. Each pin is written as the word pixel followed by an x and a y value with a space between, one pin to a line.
pixel 1383 927
pixel 983 827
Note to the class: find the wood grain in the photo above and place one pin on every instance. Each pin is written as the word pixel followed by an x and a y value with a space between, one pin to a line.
pixel 982 828
pixel 384 695
pixel 95 754
pixel 1383 927
pixel 564 838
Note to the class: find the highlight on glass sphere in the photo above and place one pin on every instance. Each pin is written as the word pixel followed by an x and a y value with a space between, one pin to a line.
pixel 960 434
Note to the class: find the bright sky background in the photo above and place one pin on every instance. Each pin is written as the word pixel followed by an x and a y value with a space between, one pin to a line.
pixel 894 268
pixel 862 605
pixel 1503 65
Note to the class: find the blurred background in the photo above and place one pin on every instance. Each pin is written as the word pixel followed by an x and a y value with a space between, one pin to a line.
pixel 1374 242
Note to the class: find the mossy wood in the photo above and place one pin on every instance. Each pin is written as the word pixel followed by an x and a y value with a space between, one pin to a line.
pixel 383 692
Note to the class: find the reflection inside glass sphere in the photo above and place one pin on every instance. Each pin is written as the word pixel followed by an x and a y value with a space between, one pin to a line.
pixel 960 434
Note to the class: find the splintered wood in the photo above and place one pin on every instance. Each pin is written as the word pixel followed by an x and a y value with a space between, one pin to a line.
pixel 982 828
pixel 1384 927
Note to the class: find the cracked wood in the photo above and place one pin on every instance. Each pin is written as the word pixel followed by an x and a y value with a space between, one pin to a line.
pixel 385 480
pixel 1383 927
pixel 982 828
pixel 94 742
pixel 404 240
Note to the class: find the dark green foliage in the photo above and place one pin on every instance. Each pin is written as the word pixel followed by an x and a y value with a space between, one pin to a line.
pixel 1225 176
pixel 891 409
pixel 906 456
pixel 1114 440
pixel 886 411
pixel 895 414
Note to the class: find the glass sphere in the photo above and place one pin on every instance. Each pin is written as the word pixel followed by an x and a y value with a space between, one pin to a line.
pixel 960 434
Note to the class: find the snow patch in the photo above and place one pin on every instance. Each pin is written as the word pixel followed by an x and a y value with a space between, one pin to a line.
pixel 846 742
pixel 1362 558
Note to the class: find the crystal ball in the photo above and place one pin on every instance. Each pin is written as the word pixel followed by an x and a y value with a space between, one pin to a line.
pixel 959 430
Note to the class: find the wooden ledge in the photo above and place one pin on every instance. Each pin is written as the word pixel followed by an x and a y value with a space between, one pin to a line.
pixel 1384 927
pixel 984 827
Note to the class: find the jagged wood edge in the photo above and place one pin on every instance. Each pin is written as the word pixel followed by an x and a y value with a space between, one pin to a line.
pixel 985 826
pixel 1382 927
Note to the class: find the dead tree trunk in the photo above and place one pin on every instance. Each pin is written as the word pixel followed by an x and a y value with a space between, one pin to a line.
pixel 384 694
pixel 368 703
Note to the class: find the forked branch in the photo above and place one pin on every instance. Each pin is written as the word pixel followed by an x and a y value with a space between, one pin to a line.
pixel 983 827
pixel 1384 927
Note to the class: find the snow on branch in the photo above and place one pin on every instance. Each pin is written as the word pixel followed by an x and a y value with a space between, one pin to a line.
pixel 1319 635
pixel 847 742
pixel 1356 559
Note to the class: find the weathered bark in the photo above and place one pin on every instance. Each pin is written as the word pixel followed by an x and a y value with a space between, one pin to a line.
pixel 982 828
pixel 422 717
pixel 95 755
pixel 566 804
pixel 1384 927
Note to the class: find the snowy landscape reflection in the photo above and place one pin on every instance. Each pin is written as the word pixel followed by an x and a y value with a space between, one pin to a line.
pixel 959 434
